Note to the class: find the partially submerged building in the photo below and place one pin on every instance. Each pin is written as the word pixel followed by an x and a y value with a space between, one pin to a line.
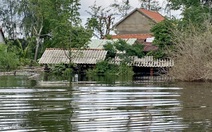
pixel 134 28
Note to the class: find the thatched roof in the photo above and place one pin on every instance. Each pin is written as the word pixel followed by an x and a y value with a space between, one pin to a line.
pixel 57 56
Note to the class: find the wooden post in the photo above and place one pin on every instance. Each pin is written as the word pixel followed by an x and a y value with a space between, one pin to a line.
pixel 151 71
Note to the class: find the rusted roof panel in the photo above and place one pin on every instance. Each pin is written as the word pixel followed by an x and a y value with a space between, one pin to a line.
pixel 57 56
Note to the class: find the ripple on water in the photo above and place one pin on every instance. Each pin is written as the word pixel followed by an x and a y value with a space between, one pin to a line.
pixel 87 109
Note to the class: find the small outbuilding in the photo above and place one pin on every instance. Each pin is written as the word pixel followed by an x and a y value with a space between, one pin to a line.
pixel 76 56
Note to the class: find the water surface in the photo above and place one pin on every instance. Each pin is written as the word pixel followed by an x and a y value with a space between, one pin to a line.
pixel 136 108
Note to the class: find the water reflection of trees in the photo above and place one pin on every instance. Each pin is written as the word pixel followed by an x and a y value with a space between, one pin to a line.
pixel 126 109
pixel 197 106
pixel 51 109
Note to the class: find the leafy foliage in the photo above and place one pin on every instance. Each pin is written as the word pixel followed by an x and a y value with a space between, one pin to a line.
pixel 177 4
pixel 150 5
pixel 101 20
pixel 125 49
pixel 122 7
pixel 8 60
pixel 163 37
pixel 193 11
pixel 44 23
pixel 105 71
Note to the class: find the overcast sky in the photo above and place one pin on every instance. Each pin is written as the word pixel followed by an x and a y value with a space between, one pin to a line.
pixel 105 3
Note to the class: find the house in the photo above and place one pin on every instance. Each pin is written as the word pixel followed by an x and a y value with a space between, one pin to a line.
pixel 139 21
pixel 137 25
pixel 2 38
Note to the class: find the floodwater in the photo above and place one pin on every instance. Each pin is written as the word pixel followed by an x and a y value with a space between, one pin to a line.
pixel 25 107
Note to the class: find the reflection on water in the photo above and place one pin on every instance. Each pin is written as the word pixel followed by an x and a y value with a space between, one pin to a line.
pixel 126 109
pixel 103 109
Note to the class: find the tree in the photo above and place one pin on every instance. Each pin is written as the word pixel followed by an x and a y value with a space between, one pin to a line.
pixel 121 7
pixel 192 53
pixel 8 60
pixel 123 50
pixel 177 4
pixel 193 11
pixel 9 17
pixel 41 18
pixel 163 37
pixel 47 22
pixel 101 21
pixel 150 5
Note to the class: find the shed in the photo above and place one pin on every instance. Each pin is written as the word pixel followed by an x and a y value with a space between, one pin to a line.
pixel 77 56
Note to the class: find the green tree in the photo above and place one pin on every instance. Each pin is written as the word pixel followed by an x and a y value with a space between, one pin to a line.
pixel 163 33
pixel 101 20
pixel 122 8
pixel 177 4
pixel 150 5
pixel 8 60
pixel 44 17
pixel 41 21
pixel 193 11
pixel 124 50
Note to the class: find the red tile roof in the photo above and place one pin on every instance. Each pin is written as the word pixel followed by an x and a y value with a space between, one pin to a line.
pixel 157 17
pixel 128 36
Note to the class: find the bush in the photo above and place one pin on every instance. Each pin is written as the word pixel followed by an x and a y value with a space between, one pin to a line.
pixel 8 60
pixel 193 53
pixel 125 72
pixel 104 71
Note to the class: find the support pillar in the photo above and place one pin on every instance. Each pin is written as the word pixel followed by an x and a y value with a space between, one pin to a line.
pixel 151 71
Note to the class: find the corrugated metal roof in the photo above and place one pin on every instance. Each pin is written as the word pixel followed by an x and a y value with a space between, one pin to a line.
pixel 147 61
pixel 57 56
pixel 99 43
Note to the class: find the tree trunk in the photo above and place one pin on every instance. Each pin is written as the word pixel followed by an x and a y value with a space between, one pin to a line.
pixel 38 34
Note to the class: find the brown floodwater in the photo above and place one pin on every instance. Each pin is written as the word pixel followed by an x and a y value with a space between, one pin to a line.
pixel 26 107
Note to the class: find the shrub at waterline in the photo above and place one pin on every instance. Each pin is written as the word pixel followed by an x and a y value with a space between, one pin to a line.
pixel 193 53
pixel 62 71
pixel 104 71
pixel 8 60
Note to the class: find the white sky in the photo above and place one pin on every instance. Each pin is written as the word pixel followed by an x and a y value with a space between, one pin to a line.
pixel 105 3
